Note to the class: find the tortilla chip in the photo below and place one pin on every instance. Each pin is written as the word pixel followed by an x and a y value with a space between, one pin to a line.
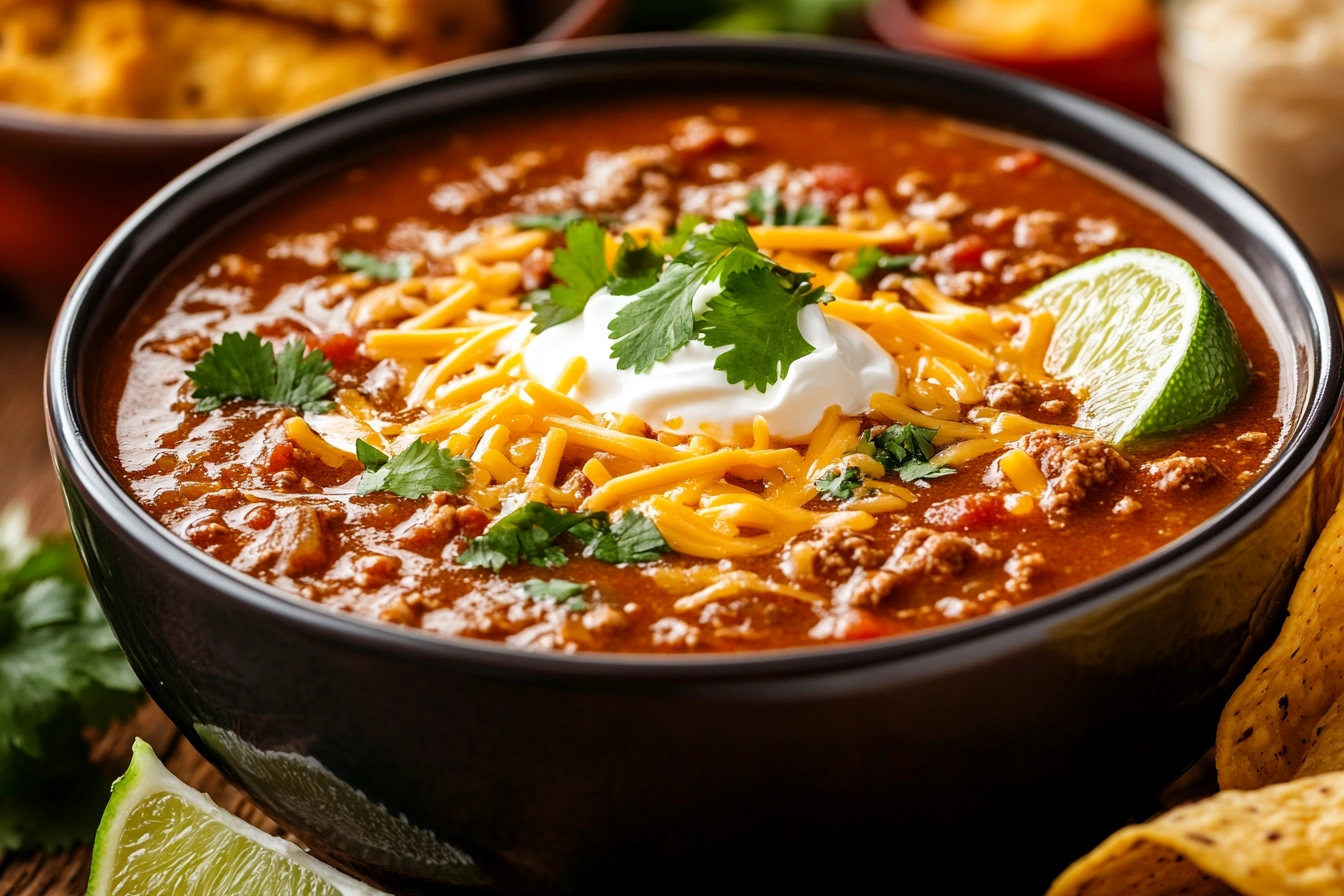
pixel 1325 753
pixel 1268 725
pixel 1286 838
pixel 444 28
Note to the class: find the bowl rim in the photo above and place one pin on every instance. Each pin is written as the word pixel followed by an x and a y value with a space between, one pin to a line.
pixel 75 453
pixel 580 18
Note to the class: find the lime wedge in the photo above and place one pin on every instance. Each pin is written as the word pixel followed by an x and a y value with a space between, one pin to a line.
pixel 159 836
pixel 1140 334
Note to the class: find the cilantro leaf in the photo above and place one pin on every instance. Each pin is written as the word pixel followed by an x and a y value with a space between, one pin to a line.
pixel 422 469
pixel 557 222
pixel 580 268
pixel 567 594
pixel 767 206
pixel 757 314
pixel 914 470
pixel 61 672
pixel 840 485
pixel 871 259
pixel 675 241
pixel 637 267
pixel 659 321
pixel 904 450
pixel 244 367
pixel 633 539
pixel 372 266
pixel 527 534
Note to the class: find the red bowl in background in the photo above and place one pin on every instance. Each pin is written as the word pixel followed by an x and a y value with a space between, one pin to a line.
pixel 67 181
pixel 1127 73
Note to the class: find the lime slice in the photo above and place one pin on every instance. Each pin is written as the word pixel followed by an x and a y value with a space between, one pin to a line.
pixel 1141 335
pixel 159 836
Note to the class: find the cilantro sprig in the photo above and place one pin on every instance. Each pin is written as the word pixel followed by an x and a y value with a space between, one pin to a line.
pixel 242 366
pixel 755 313
pixel 567 594
pixel 765 205
pixel 904 450
pixel 840 484
pixel 61 672
pixel 531 534
pixel 580 269
pixel 423 468
pixel 373 267
pixel 556 222
pixel 871 259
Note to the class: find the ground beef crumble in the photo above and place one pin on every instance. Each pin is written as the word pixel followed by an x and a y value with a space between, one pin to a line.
pixel 1180 473
pixel 921 555
pixel 1072 465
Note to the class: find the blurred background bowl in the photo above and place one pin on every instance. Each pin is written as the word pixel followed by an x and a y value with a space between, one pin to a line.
pixel 67 181
pixel 1125 71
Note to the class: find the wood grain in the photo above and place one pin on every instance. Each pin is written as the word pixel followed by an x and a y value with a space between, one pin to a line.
pixel 30 480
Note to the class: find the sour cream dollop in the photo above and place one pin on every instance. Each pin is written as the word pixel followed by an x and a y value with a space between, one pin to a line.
pixel 685 395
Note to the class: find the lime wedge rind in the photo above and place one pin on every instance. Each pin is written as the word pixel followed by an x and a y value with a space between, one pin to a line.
pixel 1144 338
pixel 159 835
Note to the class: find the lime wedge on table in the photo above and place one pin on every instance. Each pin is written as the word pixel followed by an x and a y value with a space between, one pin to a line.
pixel 1146 340
pixel 160 837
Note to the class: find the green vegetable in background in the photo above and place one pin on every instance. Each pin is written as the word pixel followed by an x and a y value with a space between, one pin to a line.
pixel 61 672
pixel 750 16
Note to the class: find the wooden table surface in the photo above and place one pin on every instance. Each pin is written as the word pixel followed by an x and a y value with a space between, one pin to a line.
pixel 29 480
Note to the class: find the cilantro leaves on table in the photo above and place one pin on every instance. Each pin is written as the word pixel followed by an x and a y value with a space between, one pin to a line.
pixel 356 262
pixel 767 206
pixel 241 366
pixel 529 535
pixel 871 259
pixel 423 468
pixel 567 594
pixel 580 269
pixel 905 450
pixel 840 485
pixel 61 672
pixel 556 222
pixel 757 314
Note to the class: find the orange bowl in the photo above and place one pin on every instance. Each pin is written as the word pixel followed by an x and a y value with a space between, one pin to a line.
pixel 66 181
pixel 1126 73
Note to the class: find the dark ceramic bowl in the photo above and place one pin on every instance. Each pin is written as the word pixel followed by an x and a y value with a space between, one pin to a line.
pixel 67 181
pixel 1005 745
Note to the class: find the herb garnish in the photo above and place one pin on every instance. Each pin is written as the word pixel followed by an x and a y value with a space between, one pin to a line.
pixel 372 266
pixel 529 534
pixel 423 468
pixel 580 269
pixel 241 366
pixel 556 222
pixel 756 312
pixel 567 594
pixel 871 258
pixel 840 485
pixel 905 450
pixel 767 206
pixel 61 673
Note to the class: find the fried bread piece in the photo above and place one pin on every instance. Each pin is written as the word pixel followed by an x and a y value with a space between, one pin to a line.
pixel 445 29
pixel 173 59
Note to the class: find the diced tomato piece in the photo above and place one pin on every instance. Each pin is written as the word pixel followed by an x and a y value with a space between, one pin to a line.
pixel 967 511
pixel 842 180
pixel 282 457
pixel 965 253
pixel 1020 162
pixel 858 625
pixel 260 517
pixel 472 520
pixel 339 348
